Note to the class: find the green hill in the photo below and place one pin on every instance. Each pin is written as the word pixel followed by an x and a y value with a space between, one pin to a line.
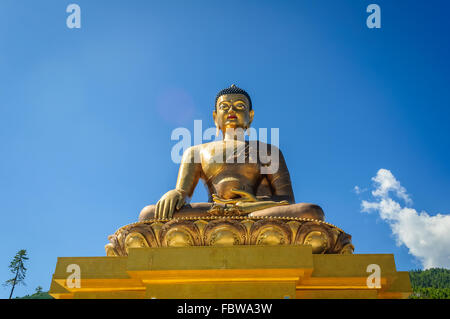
pixel 433 283
pixel 37 295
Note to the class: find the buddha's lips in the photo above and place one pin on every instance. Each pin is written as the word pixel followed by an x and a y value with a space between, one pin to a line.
pixel 231 117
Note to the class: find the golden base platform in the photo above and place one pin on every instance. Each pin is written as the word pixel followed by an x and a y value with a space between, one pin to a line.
pixel 324 237
pixel 232 272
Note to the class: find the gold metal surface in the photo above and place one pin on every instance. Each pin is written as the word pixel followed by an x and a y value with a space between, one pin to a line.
pixel 230 272
pixel 135 240
pixel 230 231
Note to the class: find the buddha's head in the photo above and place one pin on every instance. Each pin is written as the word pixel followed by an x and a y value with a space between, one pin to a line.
pixel 233 109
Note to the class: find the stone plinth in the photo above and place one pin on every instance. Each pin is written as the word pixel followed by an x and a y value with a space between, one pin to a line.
pixel 242 271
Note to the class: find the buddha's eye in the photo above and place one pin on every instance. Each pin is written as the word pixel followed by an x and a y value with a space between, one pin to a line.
pixel 240 106
pixel 224 107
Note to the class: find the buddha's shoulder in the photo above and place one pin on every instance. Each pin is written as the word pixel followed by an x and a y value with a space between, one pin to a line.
pixel 201 147
pixel 209 144
pixel 266 147
pixel 197 149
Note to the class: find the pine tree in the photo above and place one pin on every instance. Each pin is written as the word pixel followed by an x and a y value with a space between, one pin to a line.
pixel 17 267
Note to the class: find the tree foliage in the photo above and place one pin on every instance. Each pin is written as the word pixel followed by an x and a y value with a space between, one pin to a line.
pixel 39 294
pixel 17 267
pixel 433 283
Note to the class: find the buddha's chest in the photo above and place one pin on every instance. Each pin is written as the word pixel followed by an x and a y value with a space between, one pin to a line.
pixel 231 159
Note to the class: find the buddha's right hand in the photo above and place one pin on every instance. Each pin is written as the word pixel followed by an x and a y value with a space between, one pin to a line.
pixel 169 202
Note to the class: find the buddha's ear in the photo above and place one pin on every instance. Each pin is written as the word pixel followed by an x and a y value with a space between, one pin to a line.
pixel 215 118
pixel 251 114
pixel 217 124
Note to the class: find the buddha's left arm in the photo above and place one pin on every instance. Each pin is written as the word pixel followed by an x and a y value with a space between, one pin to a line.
pixel 280 180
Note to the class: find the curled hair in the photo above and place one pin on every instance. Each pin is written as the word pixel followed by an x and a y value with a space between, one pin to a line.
pixel 233 89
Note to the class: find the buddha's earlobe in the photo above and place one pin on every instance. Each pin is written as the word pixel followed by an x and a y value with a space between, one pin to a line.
pixel 215 122
pixel 251 114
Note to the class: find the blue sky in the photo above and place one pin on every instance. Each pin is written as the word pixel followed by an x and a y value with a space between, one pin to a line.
pixel 86 114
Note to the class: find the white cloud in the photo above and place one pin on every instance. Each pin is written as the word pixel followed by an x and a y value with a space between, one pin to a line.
pixel 427 237
pixel 387 183
pixel 358 189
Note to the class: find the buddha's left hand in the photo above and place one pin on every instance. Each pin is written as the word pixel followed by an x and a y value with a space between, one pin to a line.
pixel 247 202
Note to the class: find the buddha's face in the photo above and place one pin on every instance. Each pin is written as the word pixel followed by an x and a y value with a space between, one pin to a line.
pixel 233 111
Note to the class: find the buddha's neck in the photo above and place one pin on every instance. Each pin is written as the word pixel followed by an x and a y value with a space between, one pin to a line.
pixel 233 135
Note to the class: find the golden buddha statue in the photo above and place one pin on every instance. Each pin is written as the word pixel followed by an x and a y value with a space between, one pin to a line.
pixel 251 201
pixel 242 188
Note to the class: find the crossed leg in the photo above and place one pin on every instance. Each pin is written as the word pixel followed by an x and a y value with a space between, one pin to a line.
pixel 302 210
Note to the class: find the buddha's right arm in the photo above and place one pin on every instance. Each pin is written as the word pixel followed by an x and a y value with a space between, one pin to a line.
pixel 190 171
pixel 188 176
